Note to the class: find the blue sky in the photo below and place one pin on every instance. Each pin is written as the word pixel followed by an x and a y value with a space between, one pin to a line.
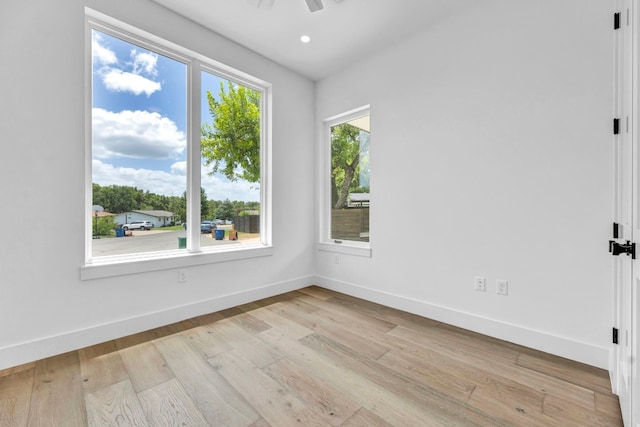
pixel 139 122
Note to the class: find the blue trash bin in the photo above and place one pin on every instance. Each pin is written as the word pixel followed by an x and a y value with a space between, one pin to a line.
pixel 119 232
pixel 219 234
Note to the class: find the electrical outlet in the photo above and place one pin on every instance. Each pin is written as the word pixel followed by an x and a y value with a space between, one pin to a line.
pixel 502 287
pixel 480 284
pixel 182 276
pixel 336 259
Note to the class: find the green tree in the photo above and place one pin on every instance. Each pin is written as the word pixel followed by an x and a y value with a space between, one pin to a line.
pixel 204 204
pixel 225 210
pixel 181 210
pixel 345 161
pixel 232 142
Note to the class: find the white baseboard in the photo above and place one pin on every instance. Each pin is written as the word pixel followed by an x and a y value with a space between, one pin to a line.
pixel 539 340
pixel 30 351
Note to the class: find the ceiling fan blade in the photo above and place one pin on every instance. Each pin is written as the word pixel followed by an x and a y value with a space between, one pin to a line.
pixel 314 5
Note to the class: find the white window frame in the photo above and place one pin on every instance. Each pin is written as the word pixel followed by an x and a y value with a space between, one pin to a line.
pixel 325 242
pixel 106 266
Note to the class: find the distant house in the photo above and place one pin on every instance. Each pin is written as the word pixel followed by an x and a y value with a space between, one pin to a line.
pixel 157 217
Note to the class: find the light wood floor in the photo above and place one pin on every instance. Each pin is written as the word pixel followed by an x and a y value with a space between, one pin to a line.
pixel 307 358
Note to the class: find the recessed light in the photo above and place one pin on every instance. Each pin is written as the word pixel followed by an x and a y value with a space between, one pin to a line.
pixel 305 39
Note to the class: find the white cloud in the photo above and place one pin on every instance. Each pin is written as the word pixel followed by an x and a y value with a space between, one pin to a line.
pixel 100 53
pixel 218 187
pixel 124 81
pixel 113 74
pixel 179 168
pixel 144 62
pixel 155 181
pixel 135 134
pixel 172 183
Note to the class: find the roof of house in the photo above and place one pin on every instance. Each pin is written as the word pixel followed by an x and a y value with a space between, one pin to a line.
pixel 156 213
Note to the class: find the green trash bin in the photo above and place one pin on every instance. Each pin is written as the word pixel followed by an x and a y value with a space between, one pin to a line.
pixel 182 243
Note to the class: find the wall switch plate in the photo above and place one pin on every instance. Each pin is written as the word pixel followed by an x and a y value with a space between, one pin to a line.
pixel 502 287
pixel 480 284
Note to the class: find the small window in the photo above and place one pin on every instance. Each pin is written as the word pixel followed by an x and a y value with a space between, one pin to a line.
pixel 176 143
pixel 348 179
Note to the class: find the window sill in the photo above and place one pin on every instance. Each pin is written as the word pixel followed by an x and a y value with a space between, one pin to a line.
pixel 102 267
pixel 346 248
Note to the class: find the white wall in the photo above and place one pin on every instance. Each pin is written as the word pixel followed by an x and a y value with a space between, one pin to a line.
pixel 491 155
pixel 44 308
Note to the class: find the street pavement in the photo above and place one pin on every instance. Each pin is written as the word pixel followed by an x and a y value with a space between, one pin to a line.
pixel 152 241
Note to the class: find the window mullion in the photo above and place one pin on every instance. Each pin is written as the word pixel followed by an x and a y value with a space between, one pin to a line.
pixel 193 156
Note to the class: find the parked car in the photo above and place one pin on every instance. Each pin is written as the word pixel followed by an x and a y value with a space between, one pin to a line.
pixel 207 226
pixel 138 225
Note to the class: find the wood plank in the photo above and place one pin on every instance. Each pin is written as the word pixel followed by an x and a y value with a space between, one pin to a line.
pixel 608 405
pixel 113 405
pixel 273 319
pixel 423 395
pixel 101 366
pixel 207 319
pixel 261 423
pixel 317 292
pixel 207 341
pixel 325 326
pixel 15 397
pixel 566 413
pixel 254 349
pixel 568 370
pixel 514 405
pixel 219 403
pixel 269 398
pixel 167 404
pixel 244 319
pixel 424 344
pixel 16 369
pixel 364 418
pixel 332 406
pixel 398 317
pixel 336 313
pixel 57 398
pixel 145 365
pixel 396 407
pixel 439 373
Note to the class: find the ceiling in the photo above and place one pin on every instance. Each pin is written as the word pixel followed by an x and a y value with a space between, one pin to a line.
pixel 342 33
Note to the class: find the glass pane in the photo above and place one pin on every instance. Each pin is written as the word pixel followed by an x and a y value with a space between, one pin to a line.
pixel 230 157
pixel 138 148
pixel 350 175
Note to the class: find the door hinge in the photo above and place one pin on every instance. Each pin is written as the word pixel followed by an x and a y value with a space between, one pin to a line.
pixel 622 248
pixel 615 335
pixel 616 230
pixel 616 126
pixel 616 21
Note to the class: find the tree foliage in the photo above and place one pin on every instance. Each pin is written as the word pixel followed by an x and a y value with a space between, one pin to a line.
pixel 232 142
pixel 346 149
pixel 225 210
pixel 118 199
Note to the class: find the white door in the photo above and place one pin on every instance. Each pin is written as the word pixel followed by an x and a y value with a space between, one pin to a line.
pixel 630 339
pixel 626 212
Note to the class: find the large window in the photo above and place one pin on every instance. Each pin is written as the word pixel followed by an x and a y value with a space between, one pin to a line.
pixel 347 180
pixel 177 147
